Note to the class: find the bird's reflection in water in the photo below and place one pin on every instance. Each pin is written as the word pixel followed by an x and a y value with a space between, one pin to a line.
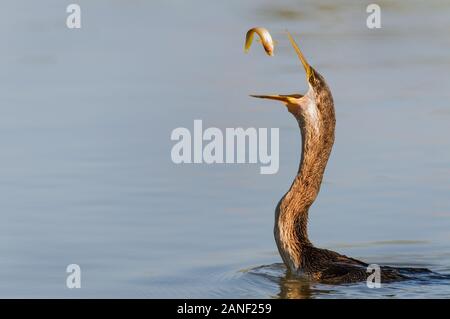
pixel 289 286
pixel 295 288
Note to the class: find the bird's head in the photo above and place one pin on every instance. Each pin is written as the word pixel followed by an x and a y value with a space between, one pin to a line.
pixel 314 106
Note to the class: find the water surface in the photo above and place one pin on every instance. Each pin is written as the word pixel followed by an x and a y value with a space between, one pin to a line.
pixel 85 169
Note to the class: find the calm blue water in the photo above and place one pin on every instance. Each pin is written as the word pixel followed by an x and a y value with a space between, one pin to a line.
pixel 85 170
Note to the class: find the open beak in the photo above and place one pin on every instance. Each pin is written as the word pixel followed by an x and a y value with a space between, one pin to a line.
pixel 290 99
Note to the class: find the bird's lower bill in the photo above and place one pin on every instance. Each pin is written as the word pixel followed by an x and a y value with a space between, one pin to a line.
pixel 287 99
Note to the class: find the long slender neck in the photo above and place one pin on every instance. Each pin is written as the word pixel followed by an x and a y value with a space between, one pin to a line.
pixel 291 231
pixel 316 148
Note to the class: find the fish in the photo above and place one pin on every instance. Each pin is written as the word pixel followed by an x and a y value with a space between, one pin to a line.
pixel 265 39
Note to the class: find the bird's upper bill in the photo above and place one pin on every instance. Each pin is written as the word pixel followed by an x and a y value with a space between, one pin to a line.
pixel 309 71
pixel 309 77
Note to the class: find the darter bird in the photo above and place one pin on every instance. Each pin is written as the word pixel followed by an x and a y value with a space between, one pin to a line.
pixel 314 112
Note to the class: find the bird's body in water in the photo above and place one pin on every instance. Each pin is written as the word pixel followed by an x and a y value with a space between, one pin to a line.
pixel 314 112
